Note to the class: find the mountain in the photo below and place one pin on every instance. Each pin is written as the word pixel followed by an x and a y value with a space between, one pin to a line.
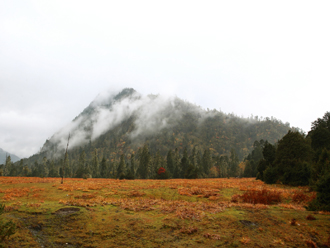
pixel 116 124
pixel 3 155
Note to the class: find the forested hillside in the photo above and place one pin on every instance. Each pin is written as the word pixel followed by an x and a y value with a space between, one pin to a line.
pixel 297 160
pixel 128 135
pixel 5 154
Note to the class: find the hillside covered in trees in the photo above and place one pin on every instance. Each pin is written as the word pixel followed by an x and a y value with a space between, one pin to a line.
pixel 132 136
pixel 297 160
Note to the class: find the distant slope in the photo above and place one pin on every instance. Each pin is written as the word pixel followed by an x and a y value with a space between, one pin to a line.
pixel 3 155
pixel 121 123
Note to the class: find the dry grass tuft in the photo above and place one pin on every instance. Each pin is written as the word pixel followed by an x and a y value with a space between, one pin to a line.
pixel 310 217
pixel 300 197
pixel 188 230
pixel 311 244
pixel 264 196
pixel 293 222
pixel 212 236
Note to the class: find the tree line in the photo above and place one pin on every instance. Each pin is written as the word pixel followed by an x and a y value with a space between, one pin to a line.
pixel 140 165
pixel 296 159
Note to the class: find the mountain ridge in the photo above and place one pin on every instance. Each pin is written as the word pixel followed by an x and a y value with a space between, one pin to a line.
pixel 119 127
pixel 149 115
pixel 3 155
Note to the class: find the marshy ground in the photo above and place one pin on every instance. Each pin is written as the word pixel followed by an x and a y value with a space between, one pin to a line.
pixel 160 213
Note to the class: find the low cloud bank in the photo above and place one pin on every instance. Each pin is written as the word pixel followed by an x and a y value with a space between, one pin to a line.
pixel 151 113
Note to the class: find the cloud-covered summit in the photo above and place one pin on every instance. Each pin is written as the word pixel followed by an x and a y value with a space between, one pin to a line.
pixel 150 114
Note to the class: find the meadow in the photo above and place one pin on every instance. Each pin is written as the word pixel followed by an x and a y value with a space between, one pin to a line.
pixel 160 213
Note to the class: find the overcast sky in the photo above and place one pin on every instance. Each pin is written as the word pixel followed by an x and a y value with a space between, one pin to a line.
pixel 266 58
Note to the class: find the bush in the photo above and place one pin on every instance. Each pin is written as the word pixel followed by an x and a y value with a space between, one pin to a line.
pixel 6 228
pixel 130 175
pixel 264 196
pixel 162 173
pixel 322 201
pixel 270 175
pixel 299 197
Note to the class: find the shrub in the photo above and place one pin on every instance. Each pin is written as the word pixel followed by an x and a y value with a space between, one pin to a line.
pixel 270 175
pixel 6 228
pixel 296 174
pixel 299 197
pixel 162 173
pixel 310 217
pixel 322 201
pixel 264 196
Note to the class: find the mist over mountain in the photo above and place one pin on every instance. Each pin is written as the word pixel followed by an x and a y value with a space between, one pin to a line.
pixel 149 115
pixel 132 131
pixel 128 120
pixel 3 155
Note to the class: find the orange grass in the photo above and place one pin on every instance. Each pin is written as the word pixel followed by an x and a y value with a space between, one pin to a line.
pixel 175 212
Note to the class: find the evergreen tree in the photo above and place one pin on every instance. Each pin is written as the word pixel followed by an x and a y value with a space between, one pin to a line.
pixel 270 175
pixel 53 172
pixel 320 133
pixel 254 158
pixel 20 168
pixel 233 164
pixel 177 161
pixel 133 165
pixel 8 165
pixel 248 169
pixel 184 163
pixel 193 158
pixel 45 170
pixel 170 162
pixel 322 201
pixel 25 171
pixel 67 167
pixel 293 159
pixel 262 166
pixel 144 166
pixel 81 170
pixel 104 169
pixel 206 162
pixel 223 162
pixel 121 170
pixel 320 168
pixel 269 152
pixel 199 162
pixel 95 164
pixel 191 172
pixel 157 163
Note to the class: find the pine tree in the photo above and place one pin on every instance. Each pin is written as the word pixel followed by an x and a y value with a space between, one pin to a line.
pixel 170 162
pixel 206 162
pixel 144 166
pixel 68 169
pixel 104 169
pixel 184 163
pixel 53 172
pixel 121 170
pixel 177 168
pixel 233 164
pixel 293 159
pixel 95 164
pixel 192 158
pixel 223 162
pixel 132 165
pixel 320 168
pixel 8 165
pixel 45 169
pixel 81 170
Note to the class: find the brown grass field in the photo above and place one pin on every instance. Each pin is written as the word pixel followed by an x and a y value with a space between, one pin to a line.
pixel 160 213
